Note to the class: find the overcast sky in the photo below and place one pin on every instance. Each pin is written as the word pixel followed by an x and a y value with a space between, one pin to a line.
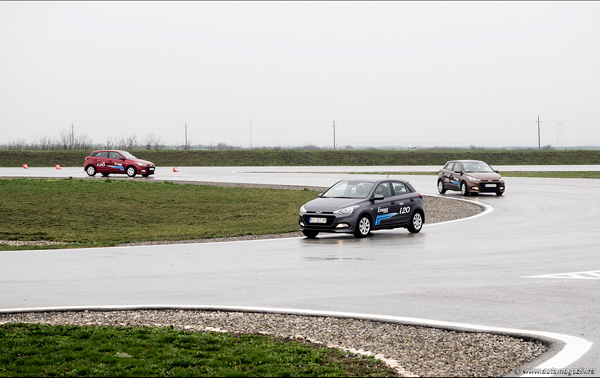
pixel 279 73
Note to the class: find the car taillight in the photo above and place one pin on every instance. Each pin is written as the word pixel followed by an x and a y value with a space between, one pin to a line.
pixel 420 196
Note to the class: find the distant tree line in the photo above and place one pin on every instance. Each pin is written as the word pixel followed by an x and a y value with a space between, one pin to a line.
pixel 69 141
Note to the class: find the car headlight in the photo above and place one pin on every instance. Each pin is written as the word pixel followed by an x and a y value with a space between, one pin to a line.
pixel 346 210
pixel 302 210
pixel 501 179
pixel 141 164
pixel 473 179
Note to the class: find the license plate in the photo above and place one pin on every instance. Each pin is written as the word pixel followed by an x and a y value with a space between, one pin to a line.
pixel 151 168
pixel 317 220
pixel 490 185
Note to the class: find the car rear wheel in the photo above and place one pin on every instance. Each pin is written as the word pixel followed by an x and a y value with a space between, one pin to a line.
pixel 131 171
pixel 363 228
pixel 499 193
pixel 464 189
pixel 416 222
pixel 441 188
pixel 105 174
pixel 310 234
pixel 90 170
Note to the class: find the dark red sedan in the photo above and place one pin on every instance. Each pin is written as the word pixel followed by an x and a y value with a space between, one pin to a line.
pixel 107 162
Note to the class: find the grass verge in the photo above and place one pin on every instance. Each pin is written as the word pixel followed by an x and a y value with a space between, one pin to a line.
pixel 36 350
pixel 98 213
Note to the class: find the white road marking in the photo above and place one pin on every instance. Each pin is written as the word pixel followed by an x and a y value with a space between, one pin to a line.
pixel 590 275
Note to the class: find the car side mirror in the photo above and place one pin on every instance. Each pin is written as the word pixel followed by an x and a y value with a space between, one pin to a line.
pixel 378 197
pixel 495 170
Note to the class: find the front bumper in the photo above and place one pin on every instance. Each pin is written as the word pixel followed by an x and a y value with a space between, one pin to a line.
pixel 333 223
pixel 486 187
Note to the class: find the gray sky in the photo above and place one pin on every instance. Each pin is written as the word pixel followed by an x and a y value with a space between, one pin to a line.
pixel 389 73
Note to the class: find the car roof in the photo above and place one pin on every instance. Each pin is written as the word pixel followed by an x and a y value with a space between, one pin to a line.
pixel 121 151
pixel 374 179
pixel 466 161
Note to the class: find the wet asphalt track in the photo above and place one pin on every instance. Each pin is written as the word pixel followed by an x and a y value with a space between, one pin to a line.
pixel 533 263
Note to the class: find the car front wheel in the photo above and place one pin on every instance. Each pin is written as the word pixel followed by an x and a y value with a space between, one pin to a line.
pixel 416 222
pixel 463 189
pixel 91 170
pixel 131 171
pixel 441 188
pixel 363 227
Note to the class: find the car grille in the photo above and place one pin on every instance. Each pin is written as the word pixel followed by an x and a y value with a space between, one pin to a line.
pixel 482 185
pixel 330 218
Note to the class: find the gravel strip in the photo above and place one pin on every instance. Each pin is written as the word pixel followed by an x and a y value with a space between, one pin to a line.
pixel 409 350
pixel 437 209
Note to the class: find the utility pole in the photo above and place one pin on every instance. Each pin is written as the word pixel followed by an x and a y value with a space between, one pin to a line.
pixel 539 139
pixel 72 135
pixel 186 142
pixel 250 134
pixel 559 134
pixel 334 134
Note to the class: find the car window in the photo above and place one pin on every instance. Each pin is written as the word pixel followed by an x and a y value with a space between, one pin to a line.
pixel 384 189
pixel 102 154
pixel 478 167
pixel 400 188
pixel 349 189
pixel 449 166
pixel 128 155
pixel 114 155
pixel 457 167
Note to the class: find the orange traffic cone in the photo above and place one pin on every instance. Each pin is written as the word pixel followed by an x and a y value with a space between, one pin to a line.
pixel 25 166
pixel 175 169
pixel 58 166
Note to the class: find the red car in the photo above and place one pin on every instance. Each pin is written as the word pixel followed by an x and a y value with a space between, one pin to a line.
pixel 116 161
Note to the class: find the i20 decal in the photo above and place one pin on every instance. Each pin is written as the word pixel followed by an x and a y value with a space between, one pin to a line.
pixel 404 210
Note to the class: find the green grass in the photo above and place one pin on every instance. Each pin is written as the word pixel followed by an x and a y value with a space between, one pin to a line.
pixel 34 350
pixel 85 213
pixel 278 157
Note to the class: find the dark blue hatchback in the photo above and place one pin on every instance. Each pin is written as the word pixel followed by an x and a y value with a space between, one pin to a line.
pixel 362 205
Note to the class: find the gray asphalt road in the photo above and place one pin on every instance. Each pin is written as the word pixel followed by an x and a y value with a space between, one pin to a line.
pixel 533 263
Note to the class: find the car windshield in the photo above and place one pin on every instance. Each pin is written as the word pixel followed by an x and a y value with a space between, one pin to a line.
pixel 349 189
pixel 478 167
pixel 128 155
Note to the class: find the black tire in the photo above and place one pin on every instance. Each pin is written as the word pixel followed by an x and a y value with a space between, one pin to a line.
pixel 90 170
pixel 363 227
pixel 310 233
pixel 416 222
pixel 499 193
pixel 105 174
pixel 145 175
pixel 464 189
pixel 440 186
pixel 131 172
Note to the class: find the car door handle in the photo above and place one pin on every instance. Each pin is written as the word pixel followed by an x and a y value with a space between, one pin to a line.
pixel 393 202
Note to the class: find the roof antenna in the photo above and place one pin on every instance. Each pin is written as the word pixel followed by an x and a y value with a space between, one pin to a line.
pixel 388 176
